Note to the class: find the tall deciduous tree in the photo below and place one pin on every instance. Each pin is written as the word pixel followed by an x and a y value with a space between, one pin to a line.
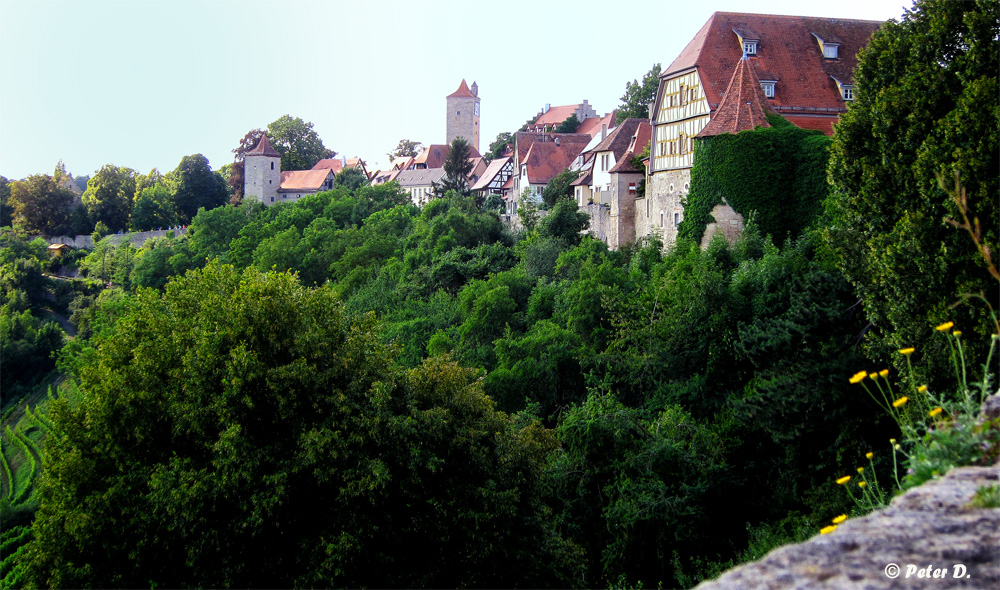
pixel 926 107
pixel 500 144
pixel 299 145
pixel 109 196
pixel 6 209
pixel 638 96
pixel 197 186
pixel 154 208
pixel 40 204
pixel 406 149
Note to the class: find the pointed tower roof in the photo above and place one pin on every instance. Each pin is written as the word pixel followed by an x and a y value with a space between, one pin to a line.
pixel 463 91
pixel 263 148
pixel 743 106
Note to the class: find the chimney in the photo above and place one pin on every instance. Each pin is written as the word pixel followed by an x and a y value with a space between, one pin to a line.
pixel 557 142
pixel 604 131
pixel 345 160
pixel 547 107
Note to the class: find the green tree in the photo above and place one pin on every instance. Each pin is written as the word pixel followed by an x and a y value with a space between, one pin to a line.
pixel 565 222
pixel 500 144
pixel 40 204
pixel 638 96
pixel 154 208
pixel 294 454
pixel 109 196
pixel 235 177
pixel 406 149
pixel 927 106
pixel 457 167
pixel 6 209
pixel 350 178
pixel 559 187
pixel 299 145
pixel 570 125
pixel 197 187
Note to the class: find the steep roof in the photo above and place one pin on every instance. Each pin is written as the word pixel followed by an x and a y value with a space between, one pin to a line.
pixel 619 139
pixel 433 156
pixel 422 177
pixel 491 172
pixel 463 91
pixel 523 140
pixel 639 142
pixel 788 52
pixel 592 125
pixel 743 105
pixel 304 180
pixel 263 148
pixel 545 160
pixel 334 164
pixel 556 115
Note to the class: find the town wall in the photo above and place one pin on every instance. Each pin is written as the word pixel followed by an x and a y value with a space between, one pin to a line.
pixel 137 239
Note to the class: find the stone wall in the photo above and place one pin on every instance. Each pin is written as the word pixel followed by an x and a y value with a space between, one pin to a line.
pixel 727 222
pixel 136 238
pixel 662 208
pixel 600 221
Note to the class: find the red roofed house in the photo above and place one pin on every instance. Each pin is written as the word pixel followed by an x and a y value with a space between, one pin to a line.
pixel 543 161
pixel 803 65
pixel 264 180
pixel 550 117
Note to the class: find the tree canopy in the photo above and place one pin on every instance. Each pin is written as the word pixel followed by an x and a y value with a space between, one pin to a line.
pixel 406 149
pixel 197 187
pixel 457 167
pixel 638 96
pixel 297 142
pixel 109 196
pixel 40 204
pixel 570 125
pixel 926 110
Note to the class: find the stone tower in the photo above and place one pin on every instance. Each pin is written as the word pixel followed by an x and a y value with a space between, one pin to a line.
pixel 463 114
pixel 262 172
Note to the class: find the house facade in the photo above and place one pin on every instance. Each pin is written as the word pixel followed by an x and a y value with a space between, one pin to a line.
pixel 803 65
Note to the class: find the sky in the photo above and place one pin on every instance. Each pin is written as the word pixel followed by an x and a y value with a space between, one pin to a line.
pixel 143 83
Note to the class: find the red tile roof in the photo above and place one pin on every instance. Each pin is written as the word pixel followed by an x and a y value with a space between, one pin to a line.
pixel 463 91
pixel 640 141
pixel 592 125
pixel 743 105
pixel 334 164
pixel 788 52
pixel 619 139
pixel 545 160
pixel 304 180
pixel 523 140
pixel 556 115
pixel 263 148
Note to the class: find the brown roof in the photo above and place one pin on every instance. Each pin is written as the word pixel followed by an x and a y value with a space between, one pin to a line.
pixel 592 125
pixel 743 105
pixel 263 148
pixel 788 52
pixel 556 115
pixel 433 156
pixel 304 180
pixel 584 179
pixel 463 91
pixel 545 160
pixel 523 140
pixel 640 141
pixel 334 164
pixel 619 139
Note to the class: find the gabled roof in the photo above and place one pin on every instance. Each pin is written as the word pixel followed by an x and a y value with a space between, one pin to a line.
pixel 592 125
pixel 545 160
pixel 463 91
pixel 495 168
pixel 433 156
pixel 640 141
pixel 304 180
pixel 422 177
pixel 263 148
pixel 556 115
pixel 584 179
pixel 334 164
pixel 743 105
pixel 523 140
pixel 619 139
pixel 788 52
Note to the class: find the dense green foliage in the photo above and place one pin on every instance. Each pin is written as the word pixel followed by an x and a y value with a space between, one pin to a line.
pixel 639 96
pixel 776 173
pixel 570 125
pixel 927 107
pixel 40 204
pixel 297 142
pixel 559 187
pixel 457 167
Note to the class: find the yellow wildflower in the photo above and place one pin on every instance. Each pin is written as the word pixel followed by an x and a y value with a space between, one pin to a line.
pixel 892 441
pixel 935 412
pixel 862 484
pixel 883 373
pixel 858 377
pixel 898 448
pixel 869 455
pixel 945 326
pixel 873 376
pixel 922 389
pixel 906 351
pixel 828 529
pixel 839 519
pixel 956 333
pixel 900 401
pixel 861 469
pixel 844 480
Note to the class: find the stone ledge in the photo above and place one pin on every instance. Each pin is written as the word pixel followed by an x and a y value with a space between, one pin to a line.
pixel 931 525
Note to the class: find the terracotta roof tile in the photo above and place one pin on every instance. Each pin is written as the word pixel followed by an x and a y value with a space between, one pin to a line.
pixel 463 91
pixel 334 164
pixel 640 141
pixel 592 126
pixel 523 140
pixel 304 180
pixel 788 52
pixel 743 105
pixel 545 160
pixel 263 148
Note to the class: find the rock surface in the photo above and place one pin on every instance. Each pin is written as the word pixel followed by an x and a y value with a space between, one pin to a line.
pixel 931 525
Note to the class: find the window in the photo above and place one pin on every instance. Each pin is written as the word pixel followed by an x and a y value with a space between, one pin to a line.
pixel 750 46
pixel 272 165
pixel 663 148
pixel 830 50
pixel 848 92
pixel 768 87
pixel 677 219
pixel 681 142
pixel 272 199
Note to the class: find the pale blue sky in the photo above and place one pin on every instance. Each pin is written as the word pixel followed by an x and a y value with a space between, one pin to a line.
pixel 142 83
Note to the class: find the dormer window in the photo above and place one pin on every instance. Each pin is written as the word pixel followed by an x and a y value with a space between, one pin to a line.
pixel 848 92
pixel 768 86
pixel 830 50
pixel 750 46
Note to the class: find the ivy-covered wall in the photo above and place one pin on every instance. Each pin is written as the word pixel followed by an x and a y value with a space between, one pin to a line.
pixel 779 172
